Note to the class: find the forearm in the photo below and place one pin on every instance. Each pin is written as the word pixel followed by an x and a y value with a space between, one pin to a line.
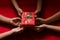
pixel 55 28
pixel 4 19
pixel 2 35
pixel 39 6
pixel 53 18
pixel 19 10
pixel 15 4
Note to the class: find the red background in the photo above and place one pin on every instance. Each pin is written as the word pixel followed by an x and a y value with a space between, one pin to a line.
pixel 49 8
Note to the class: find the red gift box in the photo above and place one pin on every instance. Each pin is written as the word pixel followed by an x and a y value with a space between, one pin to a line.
pixel 28 19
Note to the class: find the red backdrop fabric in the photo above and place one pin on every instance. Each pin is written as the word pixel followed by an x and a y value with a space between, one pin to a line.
pixel 49 8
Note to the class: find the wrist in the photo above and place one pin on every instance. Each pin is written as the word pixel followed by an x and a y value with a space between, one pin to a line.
pixel 12 30
pixel 36 11
pixel 9 20
pixel 44 25
pixel 18 9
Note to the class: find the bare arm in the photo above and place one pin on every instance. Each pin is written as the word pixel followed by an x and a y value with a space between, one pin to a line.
pixel 55 28
pixel 50 19
pixel 13 21
pixel 2 35
pixel 4 19
pixel 6 34
pixel 53 18
pixel 19 10
pixel 39 5
pixel 8 20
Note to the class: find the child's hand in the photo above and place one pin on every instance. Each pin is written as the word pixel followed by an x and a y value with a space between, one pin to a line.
pixel 17 29
pixel 15 21
pixel 39 28
pixel 41 20
pixel 19 12
pixel 36 11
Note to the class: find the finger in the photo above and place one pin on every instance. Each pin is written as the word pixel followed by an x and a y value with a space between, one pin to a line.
pixel 18 27
pixel 39 29
pixel 16 20
pixel 35 15
pixel 37 26
pixel 19 24
pixel 19 14
pixel 37 18
pixel 21 28
pixel 16 24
